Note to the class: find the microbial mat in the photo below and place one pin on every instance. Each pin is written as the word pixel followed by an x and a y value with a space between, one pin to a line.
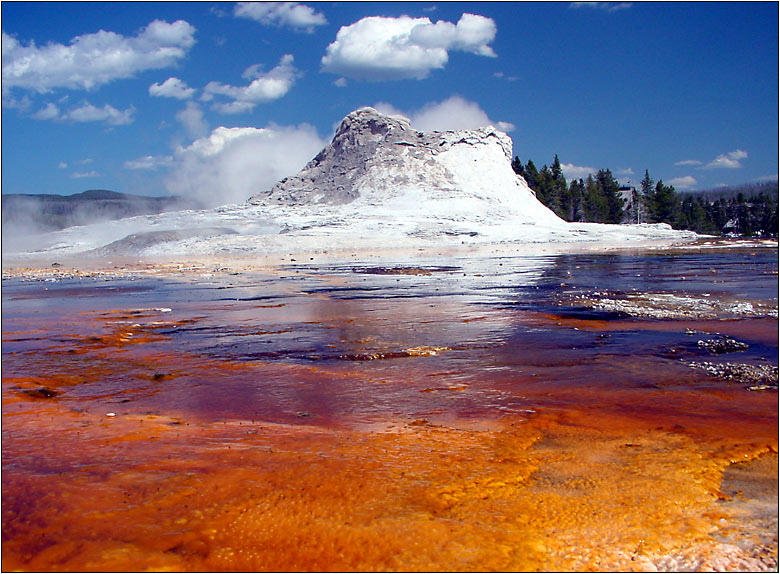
pixel 571 412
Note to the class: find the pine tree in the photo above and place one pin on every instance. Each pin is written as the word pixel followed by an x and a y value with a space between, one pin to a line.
pixel 545 191
pixel 665 205
pixel 695 216
pixel 706 223
pixel 718 211
pixel 765 210
pixel 636 206
pixel 517 166
pixel 594 202
pixel 576 193
pixel 769 222
pixel 531 175
pixel 646 195
pixel 744 220
pixel 610 189
pixel 598 199
pixel 561 202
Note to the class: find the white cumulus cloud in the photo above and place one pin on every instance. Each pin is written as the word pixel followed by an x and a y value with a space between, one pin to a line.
pixel 729 160
pixel 231 164
pixel 92 60
pixel 264 87
pixel 379 48
pixel 300 17
pixel 389 109
pixel 571 171
pixel 684 182
pixel 172 88
pixel 454 113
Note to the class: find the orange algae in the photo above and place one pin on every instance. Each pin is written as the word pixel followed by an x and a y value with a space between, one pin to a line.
pixel 177 479
pixel 155 493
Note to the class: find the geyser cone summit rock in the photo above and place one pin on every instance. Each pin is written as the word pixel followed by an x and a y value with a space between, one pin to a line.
pixel 380 165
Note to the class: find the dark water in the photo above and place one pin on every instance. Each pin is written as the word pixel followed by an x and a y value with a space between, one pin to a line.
pixel 360 342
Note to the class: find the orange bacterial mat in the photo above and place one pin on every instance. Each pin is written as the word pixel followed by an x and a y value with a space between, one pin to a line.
pixel 290 427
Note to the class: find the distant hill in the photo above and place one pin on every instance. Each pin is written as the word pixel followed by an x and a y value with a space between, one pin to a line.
pixel 49 212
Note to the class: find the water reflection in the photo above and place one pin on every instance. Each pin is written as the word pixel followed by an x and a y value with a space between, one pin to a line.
pixel 264 421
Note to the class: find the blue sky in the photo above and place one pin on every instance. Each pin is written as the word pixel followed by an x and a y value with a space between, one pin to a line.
pixel 220 100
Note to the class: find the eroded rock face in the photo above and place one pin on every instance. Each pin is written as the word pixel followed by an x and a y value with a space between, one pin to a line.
pixel 375 158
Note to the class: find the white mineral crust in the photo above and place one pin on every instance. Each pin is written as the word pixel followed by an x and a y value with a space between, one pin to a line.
pixel 380 184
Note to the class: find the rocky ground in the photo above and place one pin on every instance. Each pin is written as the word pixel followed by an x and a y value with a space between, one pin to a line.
pixel 754 377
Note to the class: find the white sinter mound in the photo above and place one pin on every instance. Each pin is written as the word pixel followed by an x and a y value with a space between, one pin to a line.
pixel 381 166
pixel 380 184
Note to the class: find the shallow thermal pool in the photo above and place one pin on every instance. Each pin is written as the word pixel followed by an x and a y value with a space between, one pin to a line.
pixel 572 412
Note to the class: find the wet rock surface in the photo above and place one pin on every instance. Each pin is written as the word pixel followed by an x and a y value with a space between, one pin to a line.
pixel 752 491
pixel 754 377
pixel 40 393
pixel 722 345
pixel 674 306
pixel 402 270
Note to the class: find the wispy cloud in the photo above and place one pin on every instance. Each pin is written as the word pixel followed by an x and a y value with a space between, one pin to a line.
pixel 149 162
pixel 108 114
pixel 22 104
pixel 84 174
pixel 87 113
pixel 264 87
pixel 604 6
pixel 299 17
pixel 379 48
pixel 729 160
pixel 49 112
pixel 688 162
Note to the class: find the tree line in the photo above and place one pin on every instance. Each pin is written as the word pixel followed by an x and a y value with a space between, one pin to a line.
pixel 750 210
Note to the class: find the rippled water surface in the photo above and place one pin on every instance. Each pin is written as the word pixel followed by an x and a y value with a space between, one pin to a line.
pixel 506 413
